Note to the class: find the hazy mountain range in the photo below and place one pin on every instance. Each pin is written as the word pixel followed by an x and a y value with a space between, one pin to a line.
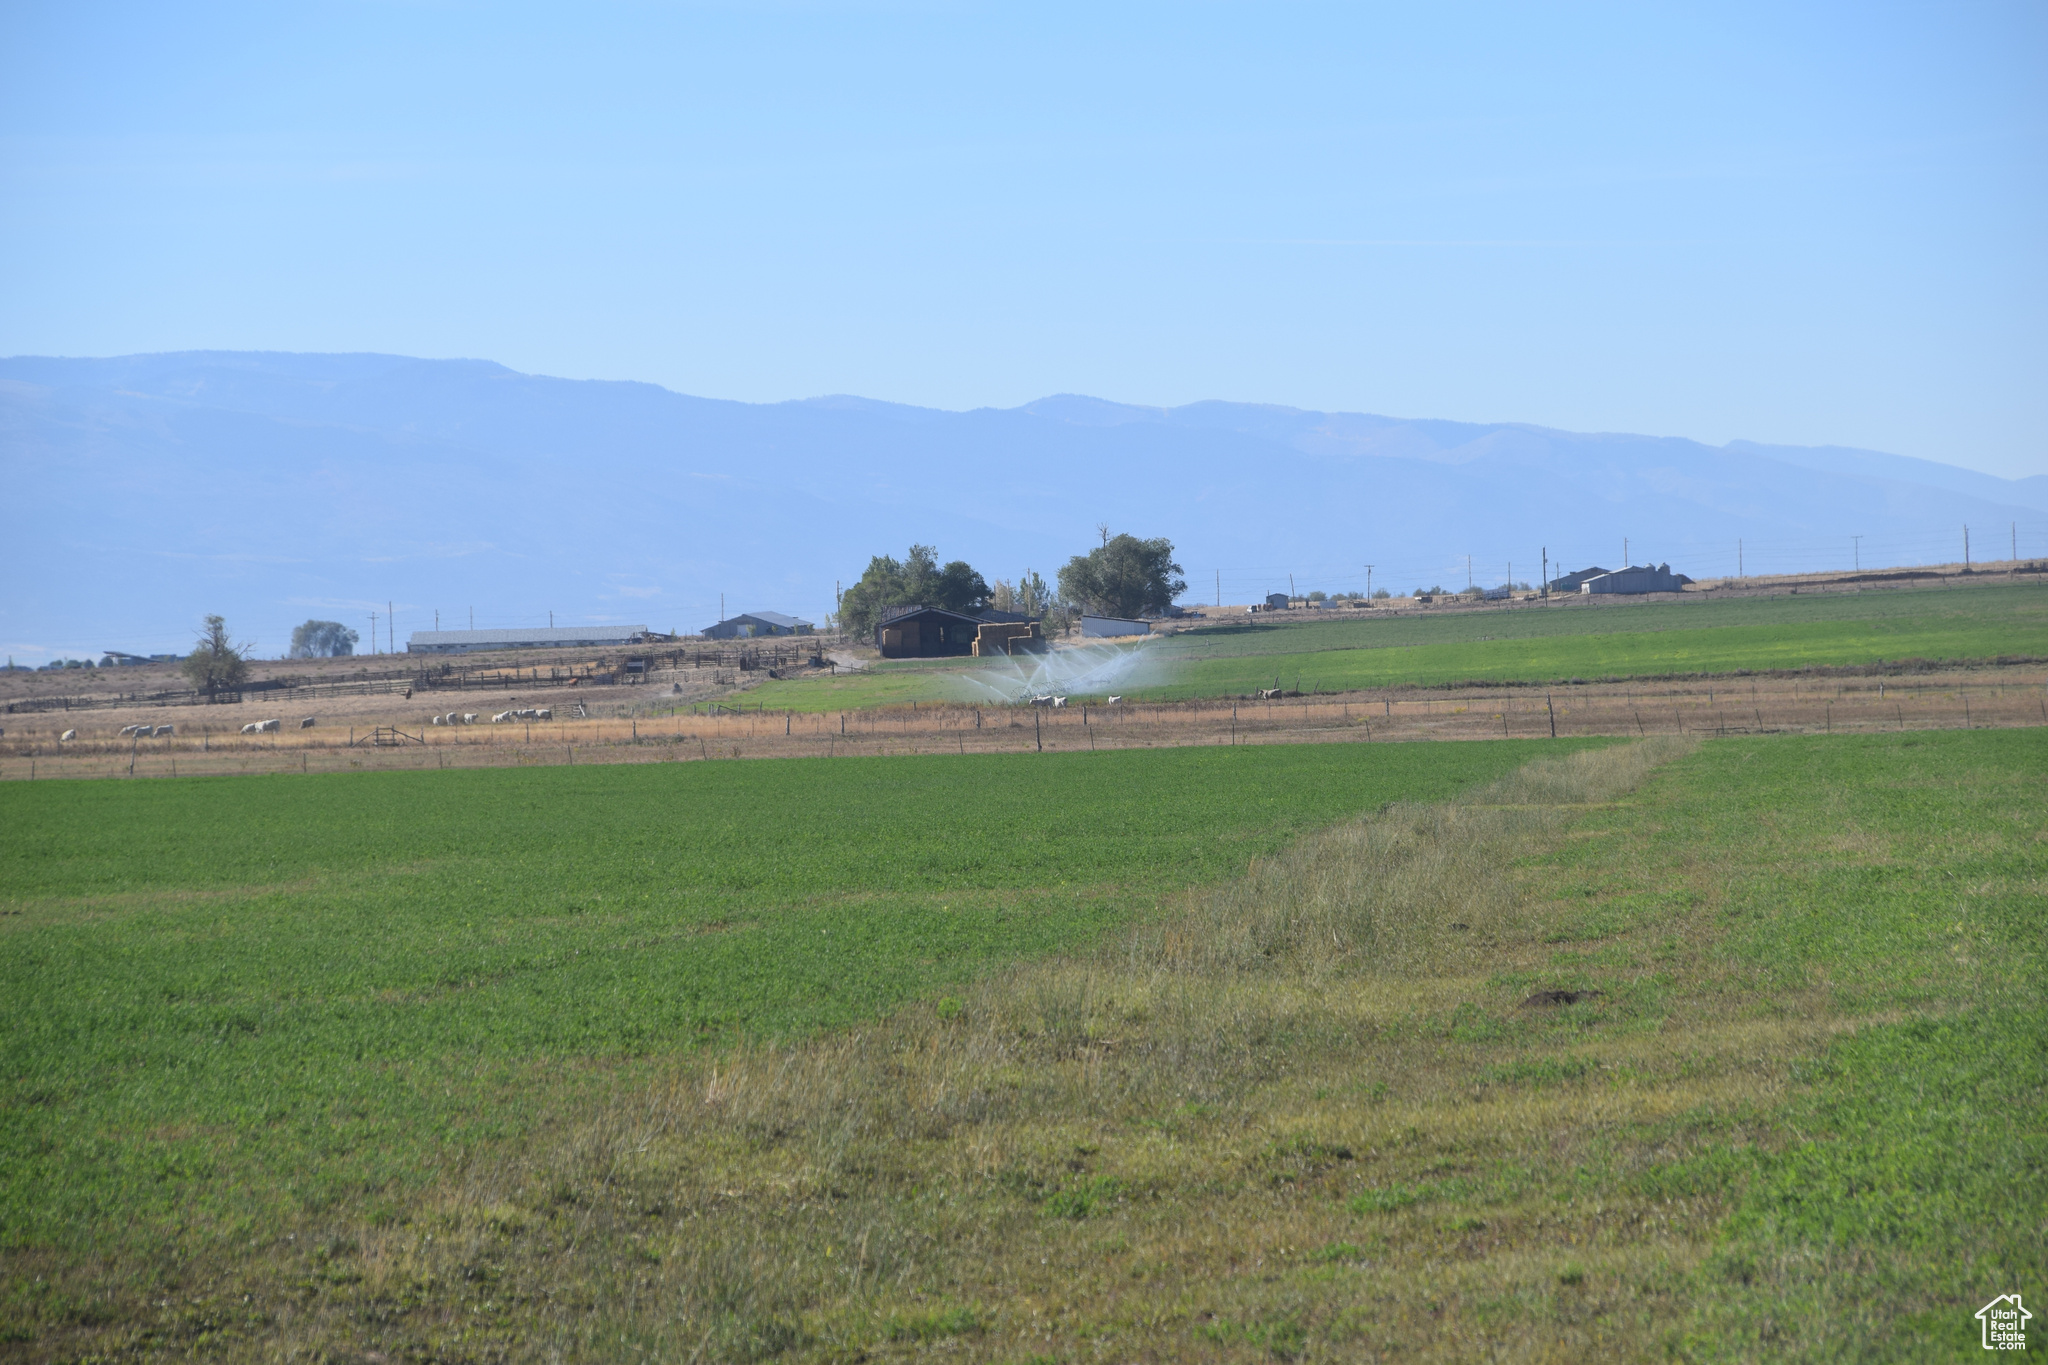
pixel 144 491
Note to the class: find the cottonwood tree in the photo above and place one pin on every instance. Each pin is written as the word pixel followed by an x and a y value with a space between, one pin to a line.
pixel 322 640
pixel 216 663
pixel 1126 577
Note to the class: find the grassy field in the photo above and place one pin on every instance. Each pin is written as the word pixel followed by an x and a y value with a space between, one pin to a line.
pixel 229 1004
pixel 1535 644
pixel 1796 1106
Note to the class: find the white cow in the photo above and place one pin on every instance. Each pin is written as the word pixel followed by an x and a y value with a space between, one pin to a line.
pixel 1041 701
pixel 266 726
pixel 544 713
pixel 1114 700
pixel 308 722
pixel 469 717
pixel 252 727
pixel 127 730
pixel 1059 701
pixel 165 731
pixel 67 735
pixel 501 718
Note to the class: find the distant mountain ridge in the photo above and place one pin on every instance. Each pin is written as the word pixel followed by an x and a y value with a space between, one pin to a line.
pixel 271 487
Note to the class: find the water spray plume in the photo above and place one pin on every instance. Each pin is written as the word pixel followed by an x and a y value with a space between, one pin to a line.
pixel 1084 669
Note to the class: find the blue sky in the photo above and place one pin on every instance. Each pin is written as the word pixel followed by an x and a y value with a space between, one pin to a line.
pixel 1810 224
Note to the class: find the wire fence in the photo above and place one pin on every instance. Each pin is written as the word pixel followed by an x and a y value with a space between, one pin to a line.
pixel 1698 557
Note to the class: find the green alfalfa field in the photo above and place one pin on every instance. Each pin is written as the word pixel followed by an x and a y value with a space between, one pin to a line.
pixel 227 1004
pixel 1728 1050
pixel 1535 643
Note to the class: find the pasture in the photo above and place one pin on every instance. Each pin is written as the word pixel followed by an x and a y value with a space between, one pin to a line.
pixel 230 1004
pixel 1535 643
pixel 1718 1050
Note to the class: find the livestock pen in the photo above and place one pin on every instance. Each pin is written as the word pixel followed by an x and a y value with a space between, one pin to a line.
pixel 1815 703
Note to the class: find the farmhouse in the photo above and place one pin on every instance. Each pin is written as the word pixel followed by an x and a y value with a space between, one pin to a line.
pixel 1646 578
pixel 750 624
pixel 526 637
pixel 918 632
pixel 915 631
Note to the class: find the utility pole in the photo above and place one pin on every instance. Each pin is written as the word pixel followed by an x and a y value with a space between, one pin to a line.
pixel 721 607
pixel 391 627
pixel 1468 573
pixel 1546 573
pixel 1966 547
pixel 1219 587
pixel 472 618
pixel 1858 552
pixel 2015 542
pixel 551 620
pixel 373 634
pixel 1290 593
pixel 1368 582
pixel 1738 559
pixel 1624 552
pixel 437 618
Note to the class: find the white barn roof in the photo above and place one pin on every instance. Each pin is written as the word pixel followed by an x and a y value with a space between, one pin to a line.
pixel 519 637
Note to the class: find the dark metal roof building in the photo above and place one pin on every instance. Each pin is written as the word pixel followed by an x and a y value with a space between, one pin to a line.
pixel 1570 582
pixel 919 632
pixel 748 625
pixel 1637 578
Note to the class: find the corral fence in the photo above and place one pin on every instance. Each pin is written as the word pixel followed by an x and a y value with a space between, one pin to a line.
pixel 766 656
pixel 728 662
pixel 1985 697
pixel 267 688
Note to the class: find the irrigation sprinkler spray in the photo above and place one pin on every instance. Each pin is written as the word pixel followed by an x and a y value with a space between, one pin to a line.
pixel 1076 669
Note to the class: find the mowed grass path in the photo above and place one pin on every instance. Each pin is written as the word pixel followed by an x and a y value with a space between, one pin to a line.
pixel 229 999
pixel 1577 640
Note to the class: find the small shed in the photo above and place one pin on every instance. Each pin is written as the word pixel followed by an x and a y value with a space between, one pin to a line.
pixel 751 624
pixel 920 632
pixel 1112 627
pixel 1277 601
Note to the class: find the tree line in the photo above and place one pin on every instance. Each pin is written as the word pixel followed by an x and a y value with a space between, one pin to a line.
pixel 1125 576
